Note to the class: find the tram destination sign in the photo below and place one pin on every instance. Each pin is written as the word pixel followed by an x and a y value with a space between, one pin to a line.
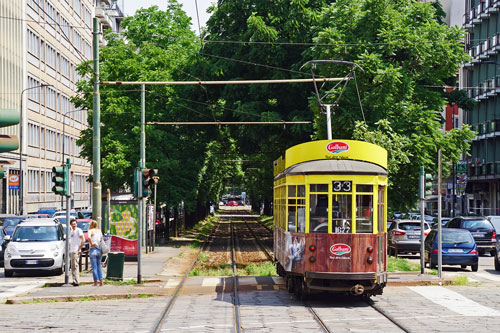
pixel 342 186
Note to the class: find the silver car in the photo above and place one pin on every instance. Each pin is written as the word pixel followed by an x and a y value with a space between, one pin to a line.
pixel 404 236
pixel 36 244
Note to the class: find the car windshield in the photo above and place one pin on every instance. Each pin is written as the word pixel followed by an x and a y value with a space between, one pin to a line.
pixel 35 234
pixel 457 237
pixel 409 226
pixel 11 222
pixel 86 215
pixel 476 224
pixel 83 225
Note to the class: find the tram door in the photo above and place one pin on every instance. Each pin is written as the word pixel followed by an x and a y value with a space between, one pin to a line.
pixel 381 228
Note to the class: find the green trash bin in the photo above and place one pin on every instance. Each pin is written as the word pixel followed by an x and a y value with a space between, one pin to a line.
pixel 116 261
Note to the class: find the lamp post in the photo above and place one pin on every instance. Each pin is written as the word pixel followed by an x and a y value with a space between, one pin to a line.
pixel 21 120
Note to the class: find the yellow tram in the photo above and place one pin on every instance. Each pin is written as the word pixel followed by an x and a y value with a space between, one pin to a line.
pixel 330 217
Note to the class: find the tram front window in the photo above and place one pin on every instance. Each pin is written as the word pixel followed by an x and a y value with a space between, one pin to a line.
pixel 341 213
pixel 318 213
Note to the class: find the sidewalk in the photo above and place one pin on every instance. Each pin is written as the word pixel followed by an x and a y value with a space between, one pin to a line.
pixel 161 271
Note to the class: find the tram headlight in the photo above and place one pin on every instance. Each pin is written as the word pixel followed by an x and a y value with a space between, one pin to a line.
pixel 369 249
pixel 312 259
pixel 370 260
pixel 312 248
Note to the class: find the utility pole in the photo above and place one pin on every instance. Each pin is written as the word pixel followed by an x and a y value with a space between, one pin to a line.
pixel 422 212
pixel 142 164
pixel 440 237
pixel 96 126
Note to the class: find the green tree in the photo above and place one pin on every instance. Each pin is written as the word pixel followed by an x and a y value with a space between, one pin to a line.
pixel 407 54
pixel 155 46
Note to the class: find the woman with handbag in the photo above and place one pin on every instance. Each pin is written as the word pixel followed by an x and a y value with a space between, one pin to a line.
pixel 95 254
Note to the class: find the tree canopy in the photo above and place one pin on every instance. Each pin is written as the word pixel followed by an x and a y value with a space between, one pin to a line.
pixel 406 51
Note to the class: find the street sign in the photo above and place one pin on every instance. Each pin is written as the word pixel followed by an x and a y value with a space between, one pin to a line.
pixel 13 181
pixel 462 166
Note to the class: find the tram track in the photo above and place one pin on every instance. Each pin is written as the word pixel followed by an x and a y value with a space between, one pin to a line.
pixel 207 243
pixel 384 313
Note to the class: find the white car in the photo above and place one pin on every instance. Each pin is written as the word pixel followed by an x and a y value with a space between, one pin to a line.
pixel 36 244
pixel 62 213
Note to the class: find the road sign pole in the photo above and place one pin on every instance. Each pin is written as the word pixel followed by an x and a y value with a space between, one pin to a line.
pixel 422 211
pixel 440 237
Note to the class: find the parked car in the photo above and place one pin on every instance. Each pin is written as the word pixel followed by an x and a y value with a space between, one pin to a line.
pixel 2 244
pixel 10 223
pixel 49 211
pixel 444 222
pixel 495 220
pixel 404 236
pixel 458 248
pixel 497 251
pixel 232 203
pixel 61 213
pixel 85 214
pixel 481 229
pixel 84 224
pixel 36 244
pixel 38 216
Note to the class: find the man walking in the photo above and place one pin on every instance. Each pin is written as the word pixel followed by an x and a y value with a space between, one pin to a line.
pixel 76 241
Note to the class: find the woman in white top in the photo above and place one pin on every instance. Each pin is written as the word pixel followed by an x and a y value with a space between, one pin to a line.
pixel 95 254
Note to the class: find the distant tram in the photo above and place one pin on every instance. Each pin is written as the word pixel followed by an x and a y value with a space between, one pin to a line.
pixel 330 217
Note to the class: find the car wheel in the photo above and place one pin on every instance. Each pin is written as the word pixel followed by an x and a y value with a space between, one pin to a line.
pixel 8 273
pixel 463 266
pixel 493 252
pixel 474 268
pixel 497 264
pixel 433 265
pixel 481 252
pixel 61 270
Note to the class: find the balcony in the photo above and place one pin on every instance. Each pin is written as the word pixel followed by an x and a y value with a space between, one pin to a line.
pixel 483 88
pixel 484 5
pixel 496 83
pixel 482 50
pixel 466 21
pixel 474 17
pixel 493 6
pixel 103 16
pixel 491 87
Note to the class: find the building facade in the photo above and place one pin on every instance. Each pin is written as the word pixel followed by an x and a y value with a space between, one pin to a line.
pixel 43 42
pixel 482 81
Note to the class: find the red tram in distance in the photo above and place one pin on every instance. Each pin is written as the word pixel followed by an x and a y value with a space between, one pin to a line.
pixel 330 231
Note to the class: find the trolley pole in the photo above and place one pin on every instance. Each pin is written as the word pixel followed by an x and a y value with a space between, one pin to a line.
pixel 96 128
pixel 68 197
pixel 422 211
pixel 328 121
pixel 142 164
pixel 440 237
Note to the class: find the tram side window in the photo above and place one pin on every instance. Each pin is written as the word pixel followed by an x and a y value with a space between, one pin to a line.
pixel 296 208
pixel 341 213
pixel 318 213
pixel 364 213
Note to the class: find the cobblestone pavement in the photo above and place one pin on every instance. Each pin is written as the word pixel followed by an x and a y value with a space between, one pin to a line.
pixel 470 308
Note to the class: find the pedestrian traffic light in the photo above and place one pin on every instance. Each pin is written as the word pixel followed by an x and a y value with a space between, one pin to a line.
pixel 8 117
pixel 428 185
pixel 149 177
pixel 61 180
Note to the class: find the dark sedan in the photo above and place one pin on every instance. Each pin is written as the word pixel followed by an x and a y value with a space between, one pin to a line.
pixel 459 248
pixel 3 244
pixel 480 228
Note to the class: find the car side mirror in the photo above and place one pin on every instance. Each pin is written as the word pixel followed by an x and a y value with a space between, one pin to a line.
pixel 6 238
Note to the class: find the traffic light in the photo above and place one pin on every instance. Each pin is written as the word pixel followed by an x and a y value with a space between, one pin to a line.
pixel 428 185
pixel 8 117
pixel 149 177
pixel 61 180
pixel 137 188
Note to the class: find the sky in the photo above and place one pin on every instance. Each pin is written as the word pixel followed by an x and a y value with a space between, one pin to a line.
pixel 130 6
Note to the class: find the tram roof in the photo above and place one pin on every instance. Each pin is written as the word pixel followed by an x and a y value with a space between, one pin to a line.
pixel 332 150
pixel 351 167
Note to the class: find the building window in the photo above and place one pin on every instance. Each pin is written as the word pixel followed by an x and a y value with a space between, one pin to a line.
pixel 51 56
pixel 33 181
pixel 34 89
pixel 33 43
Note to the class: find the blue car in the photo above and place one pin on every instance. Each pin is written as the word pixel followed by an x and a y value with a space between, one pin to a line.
pixel 459 248
pixel 10 223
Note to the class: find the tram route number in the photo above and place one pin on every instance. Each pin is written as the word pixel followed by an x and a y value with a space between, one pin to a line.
pixel 342 186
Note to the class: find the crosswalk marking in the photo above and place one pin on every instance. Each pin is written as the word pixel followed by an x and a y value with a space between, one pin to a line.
pixel 171 283
pixel 454 301
pixel 13 288
pixel 211 282
pixel 488 276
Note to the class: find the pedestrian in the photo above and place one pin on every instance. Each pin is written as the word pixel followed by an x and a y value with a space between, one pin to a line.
pixel 95 254
pixel 76 241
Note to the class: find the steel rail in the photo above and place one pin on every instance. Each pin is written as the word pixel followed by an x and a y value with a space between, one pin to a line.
pixel 386 315
pixel 171 302
pixel 237 323
pixel 259 243
pixel 317 318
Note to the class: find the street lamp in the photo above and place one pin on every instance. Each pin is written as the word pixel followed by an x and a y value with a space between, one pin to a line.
pixel 21 119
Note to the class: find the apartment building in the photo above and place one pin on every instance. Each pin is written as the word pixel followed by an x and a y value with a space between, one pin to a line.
pixel 482 78
pixel 42 43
